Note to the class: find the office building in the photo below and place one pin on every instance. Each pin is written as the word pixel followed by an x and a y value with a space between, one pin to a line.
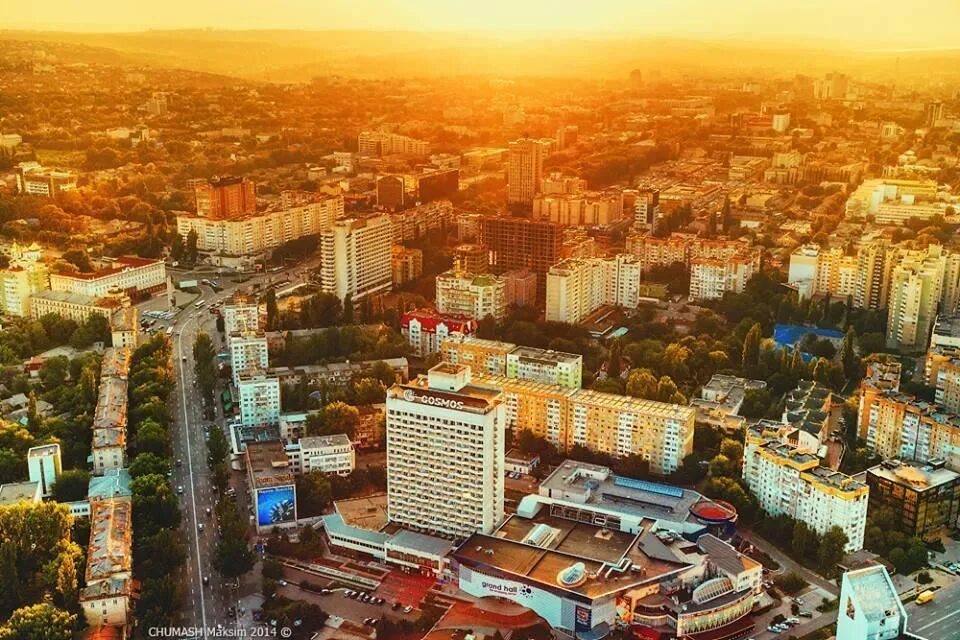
pixel 225 197
pixel 916 287
pixel 44 466
pixel 241 313
pixel 35 180
pixel 249 353
pixel 356 257
pixel 472 295
pixel 406 264
pixel 579 286
pixel 75 306
pixel 437 184
pixel 445 451
pixel 546 366
pixel 558 184
pixel 137 277
pixel 516 243
pixel 426 330
pixel 870 607
pixel 107 598
pixel 925 498
pixel 323 454
pixel 893 201
pixel 273 489
pixel 258 395
pixel 391 192
pixel 789 480
pixel 525 169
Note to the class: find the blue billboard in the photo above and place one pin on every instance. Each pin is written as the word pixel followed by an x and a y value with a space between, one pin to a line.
pixel 276 505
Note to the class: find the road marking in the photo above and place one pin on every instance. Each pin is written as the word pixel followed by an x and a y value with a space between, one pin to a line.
pixel 939 620
pixel 186 435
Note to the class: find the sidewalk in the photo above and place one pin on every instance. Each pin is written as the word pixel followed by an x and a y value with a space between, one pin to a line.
pixel 789 564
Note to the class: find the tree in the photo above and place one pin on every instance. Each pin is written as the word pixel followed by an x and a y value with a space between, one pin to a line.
pixel 147 463
pixel 9 578
pixel 336 417
pixel 821 372
pixel 273 311
pixel 39 622
pixel 369 391
pixel 615 362
pixel 832 550
pixel 232 556
pixel 751 349
pixel 720 466
pixel 634 466
pixel 154 504
pixel 347 309
pixel 33 414
pixel 71 485
pixel 848 356
pixel 67 581
pixel 641 383
pixel 805 541
pixel 313 493
pixel 152 438
pixel 13 467
pixel 217 446
pixel 191 252
pixel 733 450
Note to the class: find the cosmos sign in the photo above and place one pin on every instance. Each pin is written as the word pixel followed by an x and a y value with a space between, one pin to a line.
pixel 443 400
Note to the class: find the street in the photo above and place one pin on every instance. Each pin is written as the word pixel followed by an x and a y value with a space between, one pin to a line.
pixel 938 620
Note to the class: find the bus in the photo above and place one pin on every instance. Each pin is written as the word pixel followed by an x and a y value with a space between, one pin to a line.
pixel 925 597
pixel 200 304
pixel 169 331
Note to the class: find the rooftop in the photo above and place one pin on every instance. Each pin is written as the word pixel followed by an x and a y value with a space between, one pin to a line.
pixel 481 343
pixel 115 362
pixel 873 592
pixel 268 464
pixel 109 437
pixel 14 492
pixel 112 484
pixel 319 442
pixel 110 534
pixel 548 356
pixel 44 450
pixel 639 405
pixel 111 409
pixel 919 477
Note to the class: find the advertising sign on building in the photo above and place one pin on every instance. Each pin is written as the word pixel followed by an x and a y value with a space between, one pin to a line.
pixel 583 620
pixel 276 505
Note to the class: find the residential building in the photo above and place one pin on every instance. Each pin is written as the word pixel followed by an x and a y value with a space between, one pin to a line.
pixel 542 409
pixel 241 313
pixel 258 395
pixel 870 607
pixel 546 366
pixel 472 295
pixel 34 180
pixel 520 287
pixel 882 377
pixel 337 374
pixel 18 284
pixel 517 243
pixel 249 353
pixel 356 257
pixel 383 143
pixel 482 356
pixel 787 479
pixel 437 184
pixel 558 184
pixel 933 113
pixel 416 222
pixel 892 201
pixel 710 279
pixel 898 426
pixel 44 466
pixel 107 598
pixel 578 286
pixel 273 489
pixel 110 425
pixel 406 264
pixel 134 276
pixel 426 330
pixel 324 454
pixel 924 497
pixel 916 287
pixel 580 209
pixel 445 454
pixel 471 258
pixel 252 234
pixel 124 329
pixel 875 262
pixel 225 197
pixel 721 398
pixel 525 169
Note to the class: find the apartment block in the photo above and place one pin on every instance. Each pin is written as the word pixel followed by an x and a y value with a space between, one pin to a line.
pixel 225 197
pixel 249 353
pixel 356 257
pixel 546 365
pixel 107 598
pixel 710 278
pixel 130 274
pixel 482 356
pixel 898 426
pixel 789 480
pixel 258 395
pixel 445 454
pixel 578 286
pixel 406 264
pixel 525 169
pixel 426 330
pixel 916 287
pixel 517 243
pixel 241 313
pixel 592 208
pixel 332 454
pixel 473 295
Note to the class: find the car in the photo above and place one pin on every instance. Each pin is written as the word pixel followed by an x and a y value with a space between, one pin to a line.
pixel 773 629
pixel 206 580
pixel 180 489
pixel 805 614
pixel 209 512
pixel 407 609
pixel 798 600
pixel 282 583
pixel 200 526
pixel 378 600
pixel 793 621
pixel 179 462
pixel 325 592
pixel 350 593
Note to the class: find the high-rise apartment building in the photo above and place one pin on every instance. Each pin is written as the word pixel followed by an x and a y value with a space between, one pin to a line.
pixel 789 480
pixel 482 356
pixel 241 313
pixel 445 453
pixel 898 426
pixel 933 113
pixel 226 197
pixel 578 286
pixel 356 257
pixel 248 353
pixel 916 287
pixel 471 295
pixel 258 395
pixel 875 262
pixel 517 243
pixel 711 278
pixel 546 366
pixel 525 169
pixel 580 209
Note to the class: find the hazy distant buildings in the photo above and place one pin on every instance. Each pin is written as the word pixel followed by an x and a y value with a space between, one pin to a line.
pixel 34 180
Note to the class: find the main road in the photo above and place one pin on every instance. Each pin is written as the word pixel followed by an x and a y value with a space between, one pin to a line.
pixel 207 597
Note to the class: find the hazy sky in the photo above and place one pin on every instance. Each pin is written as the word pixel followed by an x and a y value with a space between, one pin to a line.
pixel 875 23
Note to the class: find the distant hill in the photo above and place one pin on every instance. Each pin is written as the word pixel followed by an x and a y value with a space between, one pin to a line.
pixel 290 56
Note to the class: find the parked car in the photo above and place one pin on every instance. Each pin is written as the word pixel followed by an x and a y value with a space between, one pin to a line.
pixel 407 609
pixel 805 614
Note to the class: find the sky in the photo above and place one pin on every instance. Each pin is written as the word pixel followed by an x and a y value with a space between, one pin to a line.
pixel 878 24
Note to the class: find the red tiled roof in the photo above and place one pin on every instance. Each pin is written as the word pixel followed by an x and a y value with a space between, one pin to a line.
pixel 429 320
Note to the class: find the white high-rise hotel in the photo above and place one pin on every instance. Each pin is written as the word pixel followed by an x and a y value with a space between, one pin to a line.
pixel 445 450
